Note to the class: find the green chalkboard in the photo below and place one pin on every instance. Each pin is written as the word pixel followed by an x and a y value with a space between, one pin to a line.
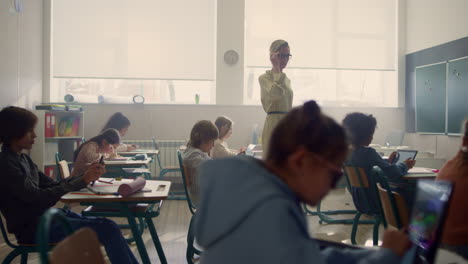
pixel 431 98
pixel 457 95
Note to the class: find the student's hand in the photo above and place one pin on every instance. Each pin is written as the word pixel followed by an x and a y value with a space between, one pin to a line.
pixel 132 147
pixel 397 241
pixel 242 149
pixel 93 173
pixel 392 157
pixel 410 163
pixel 275 62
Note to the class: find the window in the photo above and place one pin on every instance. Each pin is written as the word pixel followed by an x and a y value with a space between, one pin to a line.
pixel 344 52
pixel 112 50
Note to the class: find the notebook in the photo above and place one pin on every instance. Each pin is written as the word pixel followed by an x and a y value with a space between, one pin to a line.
pixel 403 155
pixel 427 220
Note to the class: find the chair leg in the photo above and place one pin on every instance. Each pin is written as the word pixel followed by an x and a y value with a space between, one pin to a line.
pixel 9 258
pixel 355 226
pixel 24 258
pixel 156 241
pixel 376 231
pixel 190 242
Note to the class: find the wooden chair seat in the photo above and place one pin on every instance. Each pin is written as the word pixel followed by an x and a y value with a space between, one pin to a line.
pixel 80 247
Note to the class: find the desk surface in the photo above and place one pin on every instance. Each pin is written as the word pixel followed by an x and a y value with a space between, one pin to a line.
pixel 127 162
pixel 139 151
pixel 447 257
pixel 159 191
pixel 420 173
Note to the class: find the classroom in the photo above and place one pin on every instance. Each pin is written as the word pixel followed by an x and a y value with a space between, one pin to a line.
pixel 166 65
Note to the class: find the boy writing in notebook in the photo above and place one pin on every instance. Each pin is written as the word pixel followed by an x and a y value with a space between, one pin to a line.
pixel 26 193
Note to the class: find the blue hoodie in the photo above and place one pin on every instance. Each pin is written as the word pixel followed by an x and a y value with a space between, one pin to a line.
pixel 249 215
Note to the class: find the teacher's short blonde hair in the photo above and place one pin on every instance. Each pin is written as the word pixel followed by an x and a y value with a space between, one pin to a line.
pixel 277 45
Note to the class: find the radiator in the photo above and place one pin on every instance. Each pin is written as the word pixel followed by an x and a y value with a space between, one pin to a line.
pixel 167 153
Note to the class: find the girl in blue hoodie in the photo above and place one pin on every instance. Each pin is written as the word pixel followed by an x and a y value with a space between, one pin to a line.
pixel 250 209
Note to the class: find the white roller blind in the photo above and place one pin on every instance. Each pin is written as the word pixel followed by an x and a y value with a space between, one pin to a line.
pixel 134 39
pixel 343 34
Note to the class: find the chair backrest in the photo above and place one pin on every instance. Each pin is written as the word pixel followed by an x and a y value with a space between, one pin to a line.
pixel 58 158
pixel 357 177
pixel 394 207
pixel 64 169
pixel 80 247
pixel 158 156
pixel 187 183
pixel 363 190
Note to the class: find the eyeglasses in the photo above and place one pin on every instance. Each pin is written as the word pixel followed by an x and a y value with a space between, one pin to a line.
pixel 335 172
pixel 284 56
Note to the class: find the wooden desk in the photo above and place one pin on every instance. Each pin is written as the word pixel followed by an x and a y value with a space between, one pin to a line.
pixel 421 175
pixel 159 191
pixel 128 163
pixel 152 153
pixel 116 167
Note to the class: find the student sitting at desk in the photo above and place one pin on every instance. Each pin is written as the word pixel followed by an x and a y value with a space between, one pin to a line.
pixel 202 138
pixel 26 193
pixel 250 210
pixel 92 150
pixel 360 128
pixel 122 124
pixel 221 148
pixel 455 232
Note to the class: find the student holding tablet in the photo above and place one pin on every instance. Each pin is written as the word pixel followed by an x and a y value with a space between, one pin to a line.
pixel 360 128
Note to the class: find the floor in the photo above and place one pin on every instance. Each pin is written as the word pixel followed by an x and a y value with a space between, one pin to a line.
pixel 172 227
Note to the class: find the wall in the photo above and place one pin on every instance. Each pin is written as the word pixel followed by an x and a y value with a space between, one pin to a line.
pixel 21 53
pixel 436 31
pixel 434 22
pixel 176 121
pixel 22 60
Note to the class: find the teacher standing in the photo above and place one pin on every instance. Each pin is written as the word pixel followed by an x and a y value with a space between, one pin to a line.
pixel 276 92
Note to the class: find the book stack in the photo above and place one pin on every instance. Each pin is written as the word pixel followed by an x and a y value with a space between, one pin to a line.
pixel 74 108
pixel 51 107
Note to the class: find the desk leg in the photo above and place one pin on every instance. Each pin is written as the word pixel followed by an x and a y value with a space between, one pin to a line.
pixel 136 235
pixel 157 243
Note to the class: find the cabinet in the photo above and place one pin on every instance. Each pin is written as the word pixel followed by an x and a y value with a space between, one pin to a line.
pixel 56 131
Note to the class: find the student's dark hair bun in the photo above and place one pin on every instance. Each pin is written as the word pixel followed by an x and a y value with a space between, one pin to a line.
pixel 311 108
pixel 312 112
pixel 305 126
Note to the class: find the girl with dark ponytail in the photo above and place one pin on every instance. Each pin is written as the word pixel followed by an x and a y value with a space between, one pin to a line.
pixel 254 206
pixel 92 150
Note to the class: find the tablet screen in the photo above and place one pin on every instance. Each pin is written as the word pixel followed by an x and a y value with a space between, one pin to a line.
pixel 428 215
pixel 403 155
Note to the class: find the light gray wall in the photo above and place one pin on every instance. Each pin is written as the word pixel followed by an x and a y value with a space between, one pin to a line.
pixel 434 22
pixel 21 54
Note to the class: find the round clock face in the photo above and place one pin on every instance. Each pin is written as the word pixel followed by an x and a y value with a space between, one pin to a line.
pixel 231 57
